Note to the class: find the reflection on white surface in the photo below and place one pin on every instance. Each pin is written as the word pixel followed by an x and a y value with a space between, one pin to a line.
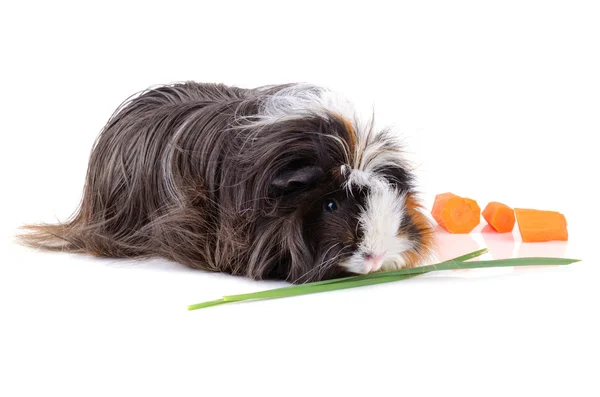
pixel 499 245
pixel 452 245
pixel 549 249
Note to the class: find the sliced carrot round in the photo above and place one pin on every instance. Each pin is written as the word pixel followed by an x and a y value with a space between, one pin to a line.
pixel 456 214
pixel 499 216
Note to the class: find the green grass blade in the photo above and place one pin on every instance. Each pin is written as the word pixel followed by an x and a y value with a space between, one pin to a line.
pixel 207 304
pixel 461 258
pixel 389 276
pixel 516 262
pixel 303 291
pixel 311 289
pixel 386 277
pixel 468 256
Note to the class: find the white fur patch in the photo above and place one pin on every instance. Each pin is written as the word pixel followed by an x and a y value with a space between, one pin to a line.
pixel 380 221
pixel 301 100
pixel 360 178
pixel 377 154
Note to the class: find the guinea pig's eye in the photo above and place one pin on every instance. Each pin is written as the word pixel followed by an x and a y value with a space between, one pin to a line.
pixel 330 205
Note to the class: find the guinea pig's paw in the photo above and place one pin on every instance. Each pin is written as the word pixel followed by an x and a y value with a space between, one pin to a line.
pixel 395 263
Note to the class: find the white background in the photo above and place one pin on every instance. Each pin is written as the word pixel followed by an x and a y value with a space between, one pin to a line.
pixel 495 101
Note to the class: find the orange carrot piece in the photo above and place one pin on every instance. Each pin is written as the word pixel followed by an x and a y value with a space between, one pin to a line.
pixel 499 216
pixel 456 214
pixel 539 226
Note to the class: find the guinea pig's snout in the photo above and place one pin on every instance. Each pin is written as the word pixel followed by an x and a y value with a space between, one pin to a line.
pixel 373 261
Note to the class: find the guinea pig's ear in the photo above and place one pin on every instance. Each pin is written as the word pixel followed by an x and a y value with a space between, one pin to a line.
pixel 297 178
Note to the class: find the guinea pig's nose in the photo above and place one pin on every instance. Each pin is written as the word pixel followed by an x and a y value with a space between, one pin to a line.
pixel 373 261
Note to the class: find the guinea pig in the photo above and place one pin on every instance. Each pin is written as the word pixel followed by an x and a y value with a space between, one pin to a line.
pixel 280 182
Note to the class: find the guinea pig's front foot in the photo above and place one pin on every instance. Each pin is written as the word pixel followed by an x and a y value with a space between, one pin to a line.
pixel 400 261
pixel 395 263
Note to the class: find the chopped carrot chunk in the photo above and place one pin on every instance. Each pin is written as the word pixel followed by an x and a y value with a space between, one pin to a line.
pixel 539 226
pixel 456 214
pixel 499 216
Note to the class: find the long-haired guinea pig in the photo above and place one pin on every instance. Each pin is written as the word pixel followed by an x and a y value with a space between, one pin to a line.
pixel 279 182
